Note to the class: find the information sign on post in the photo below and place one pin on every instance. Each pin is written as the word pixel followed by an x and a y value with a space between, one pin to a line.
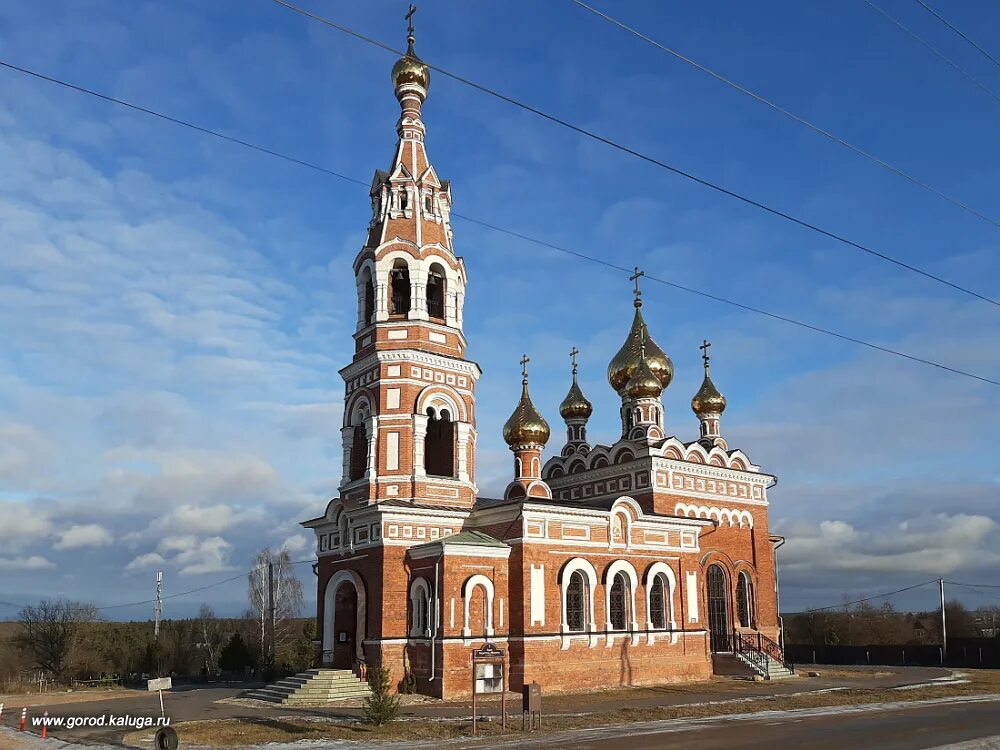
pixel 489 675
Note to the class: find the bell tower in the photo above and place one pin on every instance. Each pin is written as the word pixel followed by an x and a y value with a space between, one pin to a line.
pixel 409 408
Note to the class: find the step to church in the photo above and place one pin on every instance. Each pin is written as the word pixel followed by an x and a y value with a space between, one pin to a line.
pixel 315 686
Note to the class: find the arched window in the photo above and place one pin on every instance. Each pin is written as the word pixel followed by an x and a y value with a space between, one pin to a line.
pixel 744 600
pixel 435 291
pixel 439 445
pixel 404 198
pixel 428 204
pixel 576 603
pixel 368 299
pixel 620 600
pixel 658 603
pixel 359 452
pixel 399 282
pixel 420 608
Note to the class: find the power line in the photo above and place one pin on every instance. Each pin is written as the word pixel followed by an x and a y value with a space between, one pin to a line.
pixel 644 157
pixel 502 230
pixel 958 31
pixel 797 118
pixel 934 50
pixel 861 601
pixel 975 585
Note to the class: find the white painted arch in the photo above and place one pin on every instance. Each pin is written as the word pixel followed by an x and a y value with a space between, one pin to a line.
pixel 344 577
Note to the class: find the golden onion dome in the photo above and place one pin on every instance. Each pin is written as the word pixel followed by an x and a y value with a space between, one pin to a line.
pixel 708 400
pixel 526 426
pixel 575 405
pixel 411 69
pixel 644 383
pixel 626 361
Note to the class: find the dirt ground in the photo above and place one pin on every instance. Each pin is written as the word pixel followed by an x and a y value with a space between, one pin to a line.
pixel 63 697
pixel 242 732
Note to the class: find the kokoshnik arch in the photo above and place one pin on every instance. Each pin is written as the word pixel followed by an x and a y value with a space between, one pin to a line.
pixel 636 563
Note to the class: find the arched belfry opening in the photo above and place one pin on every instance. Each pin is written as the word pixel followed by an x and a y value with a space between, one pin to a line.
pixel 399 283
pixel 367 298
pixel 436 290
pixel 439 445
pixel 359 442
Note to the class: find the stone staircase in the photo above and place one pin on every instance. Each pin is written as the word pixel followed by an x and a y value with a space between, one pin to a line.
pixel 313 687
pixel 774 670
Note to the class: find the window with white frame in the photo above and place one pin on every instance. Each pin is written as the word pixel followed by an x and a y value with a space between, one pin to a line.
pixel 576 603
pixel 420 625
pixel 658 603
pixel 618 612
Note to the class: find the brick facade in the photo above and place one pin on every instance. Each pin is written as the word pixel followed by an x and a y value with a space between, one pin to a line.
pixel 603 565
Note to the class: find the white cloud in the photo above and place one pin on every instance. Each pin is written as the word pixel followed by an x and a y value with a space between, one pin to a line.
pixel 297 544
pixel 145 562
pixel 84 535
pixel 936 544
pixel 24 451
pixel 35 562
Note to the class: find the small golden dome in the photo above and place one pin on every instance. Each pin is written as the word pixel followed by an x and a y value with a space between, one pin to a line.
pixel 644 383
pixel 410 69
pixel 575 405
pixel 626 361
pixel 526 426
pixel 708 400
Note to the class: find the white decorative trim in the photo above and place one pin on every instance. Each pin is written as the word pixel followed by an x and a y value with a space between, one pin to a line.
pixel 661 568
pixel 590 573
pixel 621 566
pixel 477 580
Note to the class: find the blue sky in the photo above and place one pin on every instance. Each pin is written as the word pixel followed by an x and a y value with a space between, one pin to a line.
pixel 175 308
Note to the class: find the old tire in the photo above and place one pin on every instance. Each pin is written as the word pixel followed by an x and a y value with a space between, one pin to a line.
pixel 165 739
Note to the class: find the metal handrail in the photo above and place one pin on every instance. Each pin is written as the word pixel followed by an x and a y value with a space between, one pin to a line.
pixel 760 651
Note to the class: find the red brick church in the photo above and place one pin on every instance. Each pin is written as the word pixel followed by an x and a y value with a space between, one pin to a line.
pixel 635 563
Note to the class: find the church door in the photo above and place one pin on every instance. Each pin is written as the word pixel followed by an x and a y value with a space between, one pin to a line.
pixel 345 620
pixel 718 609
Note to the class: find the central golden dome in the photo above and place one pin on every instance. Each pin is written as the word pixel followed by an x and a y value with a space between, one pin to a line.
pixel 626 361
pixel 526 426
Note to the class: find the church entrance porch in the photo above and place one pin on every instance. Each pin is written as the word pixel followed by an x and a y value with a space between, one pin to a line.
pixel 718 610
pixel 344 620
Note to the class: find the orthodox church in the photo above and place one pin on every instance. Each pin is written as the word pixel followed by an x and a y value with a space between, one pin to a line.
pixel 646 561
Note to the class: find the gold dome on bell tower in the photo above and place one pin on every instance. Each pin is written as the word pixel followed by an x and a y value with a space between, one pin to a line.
pixel 410 69
pixel 626 362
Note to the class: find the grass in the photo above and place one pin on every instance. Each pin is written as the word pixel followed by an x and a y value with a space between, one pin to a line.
pixel 242 732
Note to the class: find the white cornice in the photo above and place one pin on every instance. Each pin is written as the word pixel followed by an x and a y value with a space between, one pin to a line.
pixel 466 367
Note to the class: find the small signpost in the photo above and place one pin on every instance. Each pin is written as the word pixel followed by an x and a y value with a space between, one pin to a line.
pixel 159 684
pixel 489 675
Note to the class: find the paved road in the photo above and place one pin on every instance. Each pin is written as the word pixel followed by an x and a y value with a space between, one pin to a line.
pixel 913 726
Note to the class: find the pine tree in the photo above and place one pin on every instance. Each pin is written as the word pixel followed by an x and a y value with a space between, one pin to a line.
pixel 381 706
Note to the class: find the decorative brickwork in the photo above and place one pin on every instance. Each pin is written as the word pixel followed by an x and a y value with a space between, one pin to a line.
pixel 625 564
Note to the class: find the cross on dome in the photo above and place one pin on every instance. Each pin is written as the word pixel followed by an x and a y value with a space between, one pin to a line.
pixel 705 344
pixel 572 355
pixel 525 359
pixel 638 292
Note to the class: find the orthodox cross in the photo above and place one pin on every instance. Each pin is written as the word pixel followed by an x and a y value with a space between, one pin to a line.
pixel 409 18
pixel 635 277
pixel 525 359
pixel 704 352
pixel 572 355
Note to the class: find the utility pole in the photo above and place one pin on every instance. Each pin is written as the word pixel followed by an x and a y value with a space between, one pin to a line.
pixel 159 604
pixel 270 601
pixel 944 624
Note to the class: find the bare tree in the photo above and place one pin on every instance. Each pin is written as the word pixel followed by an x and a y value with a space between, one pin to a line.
pixel 49 628
pixel 287 603
pixel 210 637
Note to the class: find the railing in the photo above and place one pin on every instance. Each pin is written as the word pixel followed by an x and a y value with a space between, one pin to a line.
pixel 760 652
